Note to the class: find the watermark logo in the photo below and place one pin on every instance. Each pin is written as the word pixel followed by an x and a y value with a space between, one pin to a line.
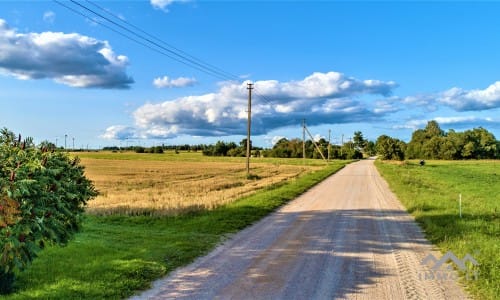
pixel 442 271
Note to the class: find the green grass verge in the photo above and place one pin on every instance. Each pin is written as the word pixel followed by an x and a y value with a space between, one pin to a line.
pixel 431 194
pixel 115 256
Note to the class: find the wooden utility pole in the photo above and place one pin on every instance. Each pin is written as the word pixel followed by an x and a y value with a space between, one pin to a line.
pixel 315 144
pixel 329 139
pixel 249 124
pixel 342 146
pixel 304 139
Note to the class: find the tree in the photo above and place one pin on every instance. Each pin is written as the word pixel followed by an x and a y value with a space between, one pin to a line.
pixel 140 149
pixel 432 129
pixel 42 197
pixel 370 148
pixel 433 143
pixel 359 141
pixel 390 148
pixel 424 142
pixel 414 149
pixel 431 149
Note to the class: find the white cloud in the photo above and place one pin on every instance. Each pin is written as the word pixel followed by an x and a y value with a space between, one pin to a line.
pixel 324 85
pixel 322 98
pixel 71 59
pixel 119 132
pixel 49 17
pixel 166 82
pixel 317 137
pixel 384 106
pixel 276 139
pixel 458 99
pixel 471 100
pixel 163 4
pixel 447 121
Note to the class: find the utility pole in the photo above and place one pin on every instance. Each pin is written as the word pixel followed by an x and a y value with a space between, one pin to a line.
pixel 73 144
pixel 315 144
pixel 342 146
pixel 65 138
pixel 304 140
pixel 249 124
pixel 329 139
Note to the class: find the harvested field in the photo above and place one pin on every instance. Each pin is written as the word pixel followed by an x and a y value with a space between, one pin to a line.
pixel 137 187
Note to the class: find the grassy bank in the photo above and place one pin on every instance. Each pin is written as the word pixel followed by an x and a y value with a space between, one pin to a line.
pixel 116 255
pixel 431 194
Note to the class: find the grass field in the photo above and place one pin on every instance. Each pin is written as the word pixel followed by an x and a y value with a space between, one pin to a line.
pixel 431 194
pixel 169 184
pixel 115 255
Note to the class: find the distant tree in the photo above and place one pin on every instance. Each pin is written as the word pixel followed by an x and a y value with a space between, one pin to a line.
pixel 425 143
pixel 237 152
pixel 431 149
pixel 157 150
pixel 243 144
pixel 221 149
pixel 140 149
pixel 433 143
pixel 432 129
pixel 369 148
pixel 47 145
pixel 390 148
pixel 359 141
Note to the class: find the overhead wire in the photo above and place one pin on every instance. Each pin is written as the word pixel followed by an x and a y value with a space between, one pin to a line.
pixel 186 60
pixel 152 42
pixel 227 74
pixel 157 48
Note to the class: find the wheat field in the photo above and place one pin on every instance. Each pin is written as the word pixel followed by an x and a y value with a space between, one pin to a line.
pixel 170 187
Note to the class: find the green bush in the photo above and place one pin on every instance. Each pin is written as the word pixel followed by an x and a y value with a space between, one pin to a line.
pixel 42 198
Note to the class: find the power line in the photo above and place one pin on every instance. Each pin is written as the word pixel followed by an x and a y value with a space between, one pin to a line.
pixel 116 31
pixel 164 50
pixel 152 42
pixel 185 59
pixel 229 75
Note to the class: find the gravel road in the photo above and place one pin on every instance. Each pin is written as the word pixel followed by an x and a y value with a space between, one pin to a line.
pixel 346 238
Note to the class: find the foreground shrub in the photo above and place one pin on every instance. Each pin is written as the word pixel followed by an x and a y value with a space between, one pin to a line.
pixel 42 197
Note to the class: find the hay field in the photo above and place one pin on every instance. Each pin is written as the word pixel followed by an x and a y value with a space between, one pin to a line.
pixel 169 187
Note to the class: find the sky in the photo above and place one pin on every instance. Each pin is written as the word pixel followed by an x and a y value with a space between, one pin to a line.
pixel 176 72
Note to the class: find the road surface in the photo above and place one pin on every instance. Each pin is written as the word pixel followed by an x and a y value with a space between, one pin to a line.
pixel 346 238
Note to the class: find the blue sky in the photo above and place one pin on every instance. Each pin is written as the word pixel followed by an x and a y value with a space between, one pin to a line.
pixel 377 67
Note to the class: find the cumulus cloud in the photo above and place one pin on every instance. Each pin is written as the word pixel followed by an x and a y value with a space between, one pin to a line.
pixel 470 100
pixel 163 4
pixel 119 132
pixel 322 98
pixel 275 139
pixel 49 17
pixel 71 59
pixel 324 85
pixel 385 106
pixel 458 99
pixel 448 121
pixel 166 82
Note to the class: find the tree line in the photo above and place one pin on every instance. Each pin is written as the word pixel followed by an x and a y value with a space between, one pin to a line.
pixel 434 143
pixel 428 143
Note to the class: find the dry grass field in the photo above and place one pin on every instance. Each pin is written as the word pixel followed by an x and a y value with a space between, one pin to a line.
pixel 134 185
